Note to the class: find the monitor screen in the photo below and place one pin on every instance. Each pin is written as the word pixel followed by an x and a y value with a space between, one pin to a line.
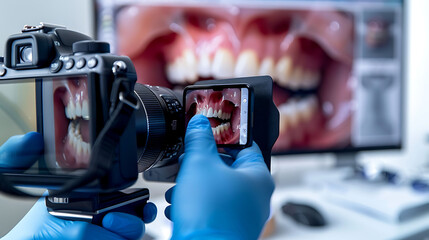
pixel 336 65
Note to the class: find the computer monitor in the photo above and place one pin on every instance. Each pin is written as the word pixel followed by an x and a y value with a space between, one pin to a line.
pixel 337 66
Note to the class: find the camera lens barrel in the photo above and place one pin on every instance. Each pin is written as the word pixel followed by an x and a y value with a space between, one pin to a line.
pixel 159 126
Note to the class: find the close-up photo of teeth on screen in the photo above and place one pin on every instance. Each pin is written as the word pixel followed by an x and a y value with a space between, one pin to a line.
pixel 63 101
pixel 226 109
pixel 315 57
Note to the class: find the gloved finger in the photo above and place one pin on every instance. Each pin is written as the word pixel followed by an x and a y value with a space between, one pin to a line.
pixel 249 157
pixel 199 142
pixel 169 194
pixel 21 151
pixel 125 225
pixel 167 212
pixel 149 212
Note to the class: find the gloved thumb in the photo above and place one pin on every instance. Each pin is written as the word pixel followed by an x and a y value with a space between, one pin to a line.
pixel 200 145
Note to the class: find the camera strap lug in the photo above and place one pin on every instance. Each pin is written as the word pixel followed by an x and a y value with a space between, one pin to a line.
pixel 136 105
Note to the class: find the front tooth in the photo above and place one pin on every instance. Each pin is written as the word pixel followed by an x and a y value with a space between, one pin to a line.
pixel 214 131
pixel 210 112
pixel 78 109
pixel 190 63
pixel 267 67
pixel 223 64
pixel 204 112
pixel 85 110
pixel 175 72
pixel 220 114
pixel 284 71
pixel 215 114
pixel 297 78
pixel 247 64
pixel 288 115
pixel 217 130
pixel 204 64
pixel 72 110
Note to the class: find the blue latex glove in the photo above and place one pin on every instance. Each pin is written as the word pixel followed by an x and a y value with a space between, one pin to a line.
pixel 212 200
pixel 39 224
pixel 20 152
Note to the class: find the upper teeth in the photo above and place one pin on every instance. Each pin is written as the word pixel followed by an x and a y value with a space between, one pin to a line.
pixel 78 109
pixel 217 113
pixel 222 64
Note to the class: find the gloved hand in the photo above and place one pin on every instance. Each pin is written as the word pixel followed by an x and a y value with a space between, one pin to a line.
pixel 212 200
pixel 39 224
pixel 21 152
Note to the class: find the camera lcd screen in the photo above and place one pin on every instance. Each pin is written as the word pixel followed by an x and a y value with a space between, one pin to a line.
pixel 227 109
pixel 58 108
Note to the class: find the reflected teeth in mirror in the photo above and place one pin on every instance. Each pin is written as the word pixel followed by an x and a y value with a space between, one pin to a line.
pixel 247 64
pixel 223 64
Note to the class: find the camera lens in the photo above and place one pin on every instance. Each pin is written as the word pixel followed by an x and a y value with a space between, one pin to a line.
pixel 159 126
pixel 26 54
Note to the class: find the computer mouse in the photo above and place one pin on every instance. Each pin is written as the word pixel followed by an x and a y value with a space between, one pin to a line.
pixel 304 214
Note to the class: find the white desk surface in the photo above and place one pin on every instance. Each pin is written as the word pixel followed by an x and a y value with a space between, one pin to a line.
pixel 342 222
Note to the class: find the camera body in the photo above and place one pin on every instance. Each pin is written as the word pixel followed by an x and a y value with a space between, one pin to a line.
pixel 72 78
pixel 101 128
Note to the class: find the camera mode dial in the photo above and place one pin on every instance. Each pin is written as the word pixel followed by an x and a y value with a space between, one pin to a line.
pixel 90 46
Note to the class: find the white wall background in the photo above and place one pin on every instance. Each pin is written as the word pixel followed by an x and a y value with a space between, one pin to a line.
pixel 77 15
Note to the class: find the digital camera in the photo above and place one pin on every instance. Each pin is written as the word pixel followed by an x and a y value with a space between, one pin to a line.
pixel 100 128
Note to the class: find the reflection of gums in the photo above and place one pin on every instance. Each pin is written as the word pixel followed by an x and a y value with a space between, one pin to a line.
pixel 71 122
pixel 308 54
pixel 223 110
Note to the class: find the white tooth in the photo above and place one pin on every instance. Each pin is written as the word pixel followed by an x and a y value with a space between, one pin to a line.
pixel 85 110
pixel 217 130
pixel 79 148
pixel 73 140
pixel 77 130
pixel 223 64
pixel 228 125
pixel 220 129
pixel 268 68
pixel 71 128
pixel 175 71
pixel 247 64
pixel 297 78
pixel 66 111
pixel 204 64
pixel 214 131
pixel 284 71
pixel 78 109
pixel 72 110
pixel 190 66
pixel 210 112
pixel 215 113
pixel 288 115
pixel 204 112
pixel 220 114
